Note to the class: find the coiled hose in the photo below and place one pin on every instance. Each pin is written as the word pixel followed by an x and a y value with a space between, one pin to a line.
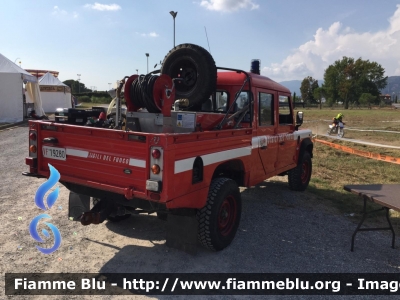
pixel 142 93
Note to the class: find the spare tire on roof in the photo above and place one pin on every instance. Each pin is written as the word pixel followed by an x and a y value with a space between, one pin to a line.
pixel 197 69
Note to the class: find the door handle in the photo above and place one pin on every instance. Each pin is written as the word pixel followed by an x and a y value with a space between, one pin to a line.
pixel 263 147
pixel 282 143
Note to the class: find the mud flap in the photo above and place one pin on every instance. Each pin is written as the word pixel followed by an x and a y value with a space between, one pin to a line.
pixel 182 233
pixel 78 204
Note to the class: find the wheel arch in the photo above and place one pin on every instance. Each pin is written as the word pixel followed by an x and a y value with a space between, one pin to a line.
pixel 306 145
pixel 233 169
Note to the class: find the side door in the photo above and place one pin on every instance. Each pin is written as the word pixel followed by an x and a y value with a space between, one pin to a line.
pixel 286 142
pixel 266 139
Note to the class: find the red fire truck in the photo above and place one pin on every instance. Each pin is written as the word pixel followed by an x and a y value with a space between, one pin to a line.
pixel 189 138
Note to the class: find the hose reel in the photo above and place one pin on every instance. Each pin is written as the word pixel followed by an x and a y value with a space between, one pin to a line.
pixel 153 92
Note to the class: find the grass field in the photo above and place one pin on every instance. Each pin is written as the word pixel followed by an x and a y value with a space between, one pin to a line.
pixel 369 119
pixel 85 105
pixel 332 169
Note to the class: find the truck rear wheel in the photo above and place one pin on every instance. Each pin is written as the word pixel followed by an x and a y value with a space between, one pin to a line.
pixel 196 68
pixel 162 215
pixel 219 218
pixel 300 176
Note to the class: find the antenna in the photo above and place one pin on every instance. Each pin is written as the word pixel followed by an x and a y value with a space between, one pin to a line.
pixel 207 39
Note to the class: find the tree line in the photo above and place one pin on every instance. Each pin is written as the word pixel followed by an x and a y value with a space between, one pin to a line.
pixel 76 86
pixel 348 81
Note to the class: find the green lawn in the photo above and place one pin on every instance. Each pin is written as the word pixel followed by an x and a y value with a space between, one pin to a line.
pixel 332 169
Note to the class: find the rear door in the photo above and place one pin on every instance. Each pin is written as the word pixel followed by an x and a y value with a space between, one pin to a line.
pixel 266 139
pixel 97 157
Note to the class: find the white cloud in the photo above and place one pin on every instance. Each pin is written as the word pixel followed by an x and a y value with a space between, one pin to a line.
pixel 151 34
pixel 103 7
pixel 228 5
pixel 60 12
pixel 314 56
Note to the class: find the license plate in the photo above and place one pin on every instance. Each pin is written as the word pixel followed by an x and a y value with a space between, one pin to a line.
pixel 54 153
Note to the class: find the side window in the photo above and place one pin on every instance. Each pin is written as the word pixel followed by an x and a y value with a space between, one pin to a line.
pixel 208 104
pixel 266 111
pixel 221 99
pixel 242 100
pixel 285 114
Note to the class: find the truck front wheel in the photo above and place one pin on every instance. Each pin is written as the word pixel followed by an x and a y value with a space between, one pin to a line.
pixel 300 176
pixel 219 218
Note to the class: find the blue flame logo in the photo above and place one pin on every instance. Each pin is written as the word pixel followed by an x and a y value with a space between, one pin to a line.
pixel 45 187
pixel 39 201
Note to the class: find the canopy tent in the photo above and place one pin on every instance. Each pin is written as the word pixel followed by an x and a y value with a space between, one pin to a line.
pixel 54 93
pixel 12 78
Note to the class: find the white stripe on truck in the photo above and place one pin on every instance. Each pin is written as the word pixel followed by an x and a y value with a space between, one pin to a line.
pixel 85 154
pixel 208 159
pixel 186 164
pixel 79 153
pixel 137 163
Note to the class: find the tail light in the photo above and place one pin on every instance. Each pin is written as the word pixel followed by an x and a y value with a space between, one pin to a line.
pixel 156 154
pixel 32 149
pixel 31 161
pixel 32 136
pixel 33 143
pixel 156 169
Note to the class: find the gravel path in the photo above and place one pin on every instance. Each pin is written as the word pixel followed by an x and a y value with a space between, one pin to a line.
pixel 281 231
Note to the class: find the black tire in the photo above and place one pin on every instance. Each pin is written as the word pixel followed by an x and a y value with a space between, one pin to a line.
pixel 117 219
pixel 219 219
pixel 300 176
pixel 162 216
pixel 95 201
pixel 197 68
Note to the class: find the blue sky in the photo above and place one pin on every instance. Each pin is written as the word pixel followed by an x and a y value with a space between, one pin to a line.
pixel 107 40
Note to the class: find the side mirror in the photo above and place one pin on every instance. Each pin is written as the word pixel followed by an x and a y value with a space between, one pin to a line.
pixel 299 119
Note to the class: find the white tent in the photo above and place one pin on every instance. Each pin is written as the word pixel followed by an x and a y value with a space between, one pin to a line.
pixel 12 78
pixel 54 93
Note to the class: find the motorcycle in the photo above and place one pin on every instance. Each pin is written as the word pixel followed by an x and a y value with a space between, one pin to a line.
pixel 336 128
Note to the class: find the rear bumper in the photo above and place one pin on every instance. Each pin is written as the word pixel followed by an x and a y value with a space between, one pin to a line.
pixel 117 199
pixel 129 192
pixel 33 175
